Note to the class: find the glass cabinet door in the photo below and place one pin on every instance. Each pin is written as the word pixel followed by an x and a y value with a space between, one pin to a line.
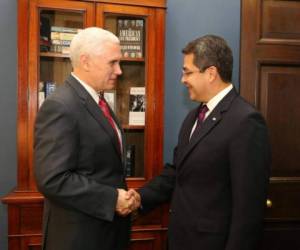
pixel 57 28
pixel 130 98
pixel 130 101
pixel 53 25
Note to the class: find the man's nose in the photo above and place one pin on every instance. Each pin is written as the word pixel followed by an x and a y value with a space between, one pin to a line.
pixel 118 70
pixel 183 80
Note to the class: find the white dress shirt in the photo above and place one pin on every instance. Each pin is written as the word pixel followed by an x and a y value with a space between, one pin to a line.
pixel 95 96
pixel 212 103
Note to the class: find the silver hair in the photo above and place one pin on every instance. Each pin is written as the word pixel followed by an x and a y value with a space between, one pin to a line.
pixel 90 41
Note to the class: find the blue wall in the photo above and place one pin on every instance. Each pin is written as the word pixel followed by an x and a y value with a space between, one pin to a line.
pixel 186 20
pixel 8 107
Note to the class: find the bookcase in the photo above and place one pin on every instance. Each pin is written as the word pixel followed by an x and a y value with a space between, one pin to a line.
pixel 45 28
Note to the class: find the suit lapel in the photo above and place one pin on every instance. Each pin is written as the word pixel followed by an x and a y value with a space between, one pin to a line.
pixel 184 136
pixel 95 111
pixel 207 126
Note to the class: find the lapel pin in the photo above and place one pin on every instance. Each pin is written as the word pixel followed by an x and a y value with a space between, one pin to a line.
pixel 214 118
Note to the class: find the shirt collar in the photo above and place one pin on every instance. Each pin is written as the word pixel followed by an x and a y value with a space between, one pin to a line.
pixel 88 88
pixel 218 97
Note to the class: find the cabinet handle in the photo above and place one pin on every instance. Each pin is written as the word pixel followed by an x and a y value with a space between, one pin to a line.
pixel 269 203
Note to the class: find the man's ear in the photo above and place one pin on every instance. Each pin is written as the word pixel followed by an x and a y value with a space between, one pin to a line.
pixel 85 62
pixel 212 73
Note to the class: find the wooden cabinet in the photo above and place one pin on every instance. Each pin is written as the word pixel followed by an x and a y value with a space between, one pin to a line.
pixel 40 64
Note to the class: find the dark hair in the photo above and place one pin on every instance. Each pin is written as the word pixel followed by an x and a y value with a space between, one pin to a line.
pixel 211 50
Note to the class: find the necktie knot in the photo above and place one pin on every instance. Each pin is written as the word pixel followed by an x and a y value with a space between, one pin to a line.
pixel 202 111
pixel 201 116
pixel 101 94
pixel 104 107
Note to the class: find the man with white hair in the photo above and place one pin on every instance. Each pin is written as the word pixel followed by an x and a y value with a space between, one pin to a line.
pixel 79 156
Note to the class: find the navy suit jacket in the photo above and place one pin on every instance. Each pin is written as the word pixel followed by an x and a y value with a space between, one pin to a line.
pixel 78 168
pixel 218 180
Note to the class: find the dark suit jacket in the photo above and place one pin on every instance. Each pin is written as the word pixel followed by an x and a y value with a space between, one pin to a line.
pixel 218 181
pixel 78 167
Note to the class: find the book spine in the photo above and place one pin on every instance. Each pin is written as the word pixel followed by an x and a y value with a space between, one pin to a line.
pixel 62 36
pixel 65 49
pixel 61 42
pixel 67 36
pixel 41 95
pixel 130 161
pixel 49 88
pixel 64 29
pixel 55 35
pixel 56 48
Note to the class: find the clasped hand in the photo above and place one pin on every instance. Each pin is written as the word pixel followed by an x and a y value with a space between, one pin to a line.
pixel 128 201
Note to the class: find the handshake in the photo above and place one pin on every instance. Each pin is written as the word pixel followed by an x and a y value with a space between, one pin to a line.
pixel 127 202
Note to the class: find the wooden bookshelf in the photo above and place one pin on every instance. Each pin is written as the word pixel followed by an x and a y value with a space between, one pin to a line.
pixel 25 203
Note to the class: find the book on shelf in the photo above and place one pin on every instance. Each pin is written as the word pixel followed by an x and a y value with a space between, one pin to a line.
pixel 130 160
pixel 131 35
pixel 62 29
pixel 44 34
pixel 137 106
pixel 44 90
pixel 45 44
pixel 61 42
pixel 50 87
pixel 60 49
pixel 41 94
pixel 61 38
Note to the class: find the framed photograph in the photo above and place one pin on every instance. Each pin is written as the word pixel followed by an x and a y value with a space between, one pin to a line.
pixel 110 97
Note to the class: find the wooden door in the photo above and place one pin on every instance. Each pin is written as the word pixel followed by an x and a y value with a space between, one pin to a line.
pixel 270 79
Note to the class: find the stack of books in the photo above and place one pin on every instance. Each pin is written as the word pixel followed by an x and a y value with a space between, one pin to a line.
pixel 61 38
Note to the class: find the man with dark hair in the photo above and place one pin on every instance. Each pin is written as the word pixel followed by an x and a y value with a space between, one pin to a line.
pixel 218 180
pixel 211 51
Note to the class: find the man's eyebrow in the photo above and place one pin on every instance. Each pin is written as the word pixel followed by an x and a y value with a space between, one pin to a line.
pixel 114 61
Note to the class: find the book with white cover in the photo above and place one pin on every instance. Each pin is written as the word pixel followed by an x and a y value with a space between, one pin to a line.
pixel 137 106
